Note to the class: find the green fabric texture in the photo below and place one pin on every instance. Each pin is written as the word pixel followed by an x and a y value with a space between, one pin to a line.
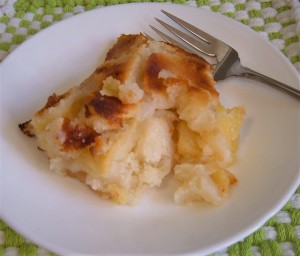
pixel 284 230
pixel 275 20
pixel 272 18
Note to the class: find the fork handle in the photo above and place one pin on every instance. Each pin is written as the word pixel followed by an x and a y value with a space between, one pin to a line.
pixel 249 73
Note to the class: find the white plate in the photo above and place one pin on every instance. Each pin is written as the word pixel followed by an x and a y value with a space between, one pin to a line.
pixel 65 217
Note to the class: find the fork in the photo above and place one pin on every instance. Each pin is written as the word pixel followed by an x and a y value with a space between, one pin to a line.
pixel 227 59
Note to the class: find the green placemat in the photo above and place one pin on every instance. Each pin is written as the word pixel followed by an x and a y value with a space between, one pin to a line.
pixel 277 20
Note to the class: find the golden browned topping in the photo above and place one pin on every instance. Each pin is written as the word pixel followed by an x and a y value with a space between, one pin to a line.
pixel 53 100
pixel 26 128
pixel 77 136
pixel 115 70
pixel 187 70
pixel 109 108
pixel 123 45
pixel 154 65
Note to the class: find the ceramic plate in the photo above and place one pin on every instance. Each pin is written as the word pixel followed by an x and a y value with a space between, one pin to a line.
pixel 67 218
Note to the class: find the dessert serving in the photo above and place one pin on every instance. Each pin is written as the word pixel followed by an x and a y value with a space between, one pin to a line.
pixel 151 110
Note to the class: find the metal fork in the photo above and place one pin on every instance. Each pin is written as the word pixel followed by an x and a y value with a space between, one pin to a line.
pixel 227 59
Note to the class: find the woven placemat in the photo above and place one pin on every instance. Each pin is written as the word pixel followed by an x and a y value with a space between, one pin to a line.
pixel 277 20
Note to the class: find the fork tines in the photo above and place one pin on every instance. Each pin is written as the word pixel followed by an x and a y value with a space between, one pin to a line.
pixel 170 39
pixel 198 45
pixel 202 42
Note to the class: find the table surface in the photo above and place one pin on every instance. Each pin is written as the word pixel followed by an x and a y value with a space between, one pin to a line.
pixel 276 20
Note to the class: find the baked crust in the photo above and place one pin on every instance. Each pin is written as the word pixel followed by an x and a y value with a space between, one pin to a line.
pixel 151 109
